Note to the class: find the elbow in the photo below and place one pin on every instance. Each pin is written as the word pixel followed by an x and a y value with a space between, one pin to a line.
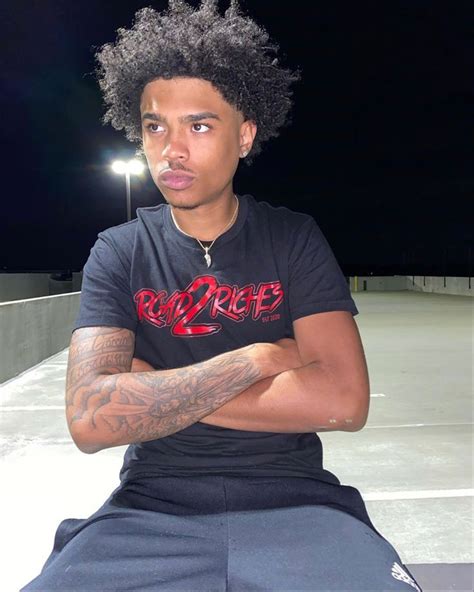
pixel 87 449
pixel 83 434
pixel 355 426
pixel 356 420
pixel 83 443
pixel 356 412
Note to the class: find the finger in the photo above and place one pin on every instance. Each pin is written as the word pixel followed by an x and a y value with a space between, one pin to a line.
pixel 140 366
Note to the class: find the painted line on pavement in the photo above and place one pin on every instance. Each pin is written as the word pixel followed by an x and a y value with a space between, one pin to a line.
pixel 427 494
pixel 31 408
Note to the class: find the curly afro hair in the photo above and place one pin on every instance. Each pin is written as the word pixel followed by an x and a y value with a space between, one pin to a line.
pixel 231 51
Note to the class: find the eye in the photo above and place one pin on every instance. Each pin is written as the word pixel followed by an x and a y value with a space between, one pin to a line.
pixel 200 125
pixel 149 126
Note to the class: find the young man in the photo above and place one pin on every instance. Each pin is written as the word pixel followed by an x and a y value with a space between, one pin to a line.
pixel 215 337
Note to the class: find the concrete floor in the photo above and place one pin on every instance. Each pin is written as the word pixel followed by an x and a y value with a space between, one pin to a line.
pixel 413 461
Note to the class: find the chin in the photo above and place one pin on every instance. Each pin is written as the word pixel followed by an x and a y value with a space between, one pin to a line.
pixel 182 202
pixel 186 206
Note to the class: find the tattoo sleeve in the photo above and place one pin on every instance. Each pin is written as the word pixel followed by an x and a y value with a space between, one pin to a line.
pixel 107 405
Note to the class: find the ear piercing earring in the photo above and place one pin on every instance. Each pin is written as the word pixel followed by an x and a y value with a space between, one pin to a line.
pixel 245 153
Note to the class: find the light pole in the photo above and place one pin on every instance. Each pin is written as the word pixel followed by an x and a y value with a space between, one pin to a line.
pixel 132 167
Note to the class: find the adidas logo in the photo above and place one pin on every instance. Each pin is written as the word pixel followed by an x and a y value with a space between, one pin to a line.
pixel 400 574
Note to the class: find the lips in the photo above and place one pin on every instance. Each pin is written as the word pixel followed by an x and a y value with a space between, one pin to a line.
pixel 176 180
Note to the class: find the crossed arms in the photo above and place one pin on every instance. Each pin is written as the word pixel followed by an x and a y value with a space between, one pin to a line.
pixel 316 382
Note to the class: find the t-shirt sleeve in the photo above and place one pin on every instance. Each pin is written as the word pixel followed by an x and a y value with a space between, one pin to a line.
pixel 106 297
pixel 316 281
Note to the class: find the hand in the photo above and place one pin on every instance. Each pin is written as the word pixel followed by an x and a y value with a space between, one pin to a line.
pixel 286 354
pixel 140 366
pixel 274 358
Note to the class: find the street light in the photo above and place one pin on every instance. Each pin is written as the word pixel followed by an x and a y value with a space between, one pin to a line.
pixel 132 167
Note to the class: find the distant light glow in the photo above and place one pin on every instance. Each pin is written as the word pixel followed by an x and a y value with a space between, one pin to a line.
pixel 133 167
pixel 119 167
pixel 136 167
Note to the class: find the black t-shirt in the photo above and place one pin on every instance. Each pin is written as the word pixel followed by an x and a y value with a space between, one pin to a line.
pixel 271 267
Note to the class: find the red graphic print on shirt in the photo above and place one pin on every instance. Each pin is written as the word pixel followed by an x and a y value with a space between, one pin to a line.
pixel 181 308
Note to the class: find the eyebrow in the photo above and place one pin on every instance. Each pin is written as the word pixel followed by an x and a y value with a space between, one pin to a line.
pixel 185 119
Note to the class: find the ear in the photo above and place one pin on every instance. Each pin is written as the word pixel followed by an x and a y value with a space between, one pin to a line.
pixel 248 131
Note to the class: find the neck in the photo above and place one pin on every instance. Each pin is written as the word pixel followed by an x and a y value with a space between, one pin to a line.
pixel 208 220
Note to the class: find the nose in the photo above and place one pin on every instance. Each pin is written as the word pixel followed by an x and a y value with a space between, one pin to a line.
pixel 175 148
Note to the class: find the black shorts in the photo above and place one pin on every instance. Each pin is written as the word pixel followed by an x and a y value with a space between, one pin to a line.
pixel 220 534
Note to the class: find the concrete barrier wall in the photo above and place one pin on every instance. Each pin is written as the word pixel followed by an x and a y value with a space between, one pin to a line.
pixel 18 286
pixel 33 330
pixel 457 286
pixel 371 283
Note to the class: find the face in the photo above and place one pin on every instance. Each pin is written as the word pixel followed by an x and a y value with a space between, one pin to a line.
pixel 188 127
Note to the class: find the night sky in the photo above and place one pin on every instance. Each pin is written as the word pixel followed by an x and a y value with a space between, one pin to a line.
pixel 379 151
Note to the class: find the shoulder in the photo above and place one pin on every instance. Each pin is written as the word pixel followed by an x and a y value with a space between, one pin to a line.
pixel 122 236
pixel 118 234
pixel 281 219
pixel 278 214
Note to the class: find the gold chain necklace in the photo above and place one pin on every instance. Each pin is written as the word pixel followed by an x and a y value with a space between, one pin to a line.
pixel 207 257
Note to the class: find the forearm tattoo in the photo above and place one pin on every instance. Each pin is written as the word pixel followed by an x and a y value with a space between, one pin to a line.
pixel 140 406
